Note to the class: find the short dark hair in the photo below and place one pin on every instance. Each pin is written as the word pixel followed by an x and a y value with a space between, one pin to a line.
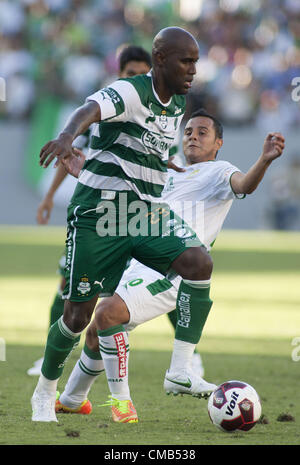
pixel 217 125
pixel 133 53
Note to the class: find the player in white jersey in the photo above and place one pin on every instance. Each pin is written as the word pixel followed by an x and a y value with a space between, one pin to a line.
pixel 207 187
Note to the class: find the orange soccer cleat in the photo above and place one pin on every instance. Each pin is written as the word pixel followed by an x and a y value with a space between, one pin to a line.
pixel 84 409
pixel 123 411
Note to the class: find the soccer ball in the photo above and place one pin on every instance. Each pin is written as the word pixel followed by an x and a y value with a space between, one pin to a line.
pixel 234 405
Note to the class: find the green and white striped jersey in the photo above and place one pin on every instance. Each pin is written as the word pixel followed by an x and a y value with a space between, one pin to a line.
pixel 129 148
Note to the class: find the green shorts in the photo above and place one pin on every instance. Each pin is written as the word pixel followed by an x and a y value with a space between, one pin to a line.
pixel 100 241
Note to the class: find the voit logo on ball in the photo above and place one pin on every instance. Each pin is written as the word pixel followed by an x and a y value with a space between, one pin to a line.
pixel 234 405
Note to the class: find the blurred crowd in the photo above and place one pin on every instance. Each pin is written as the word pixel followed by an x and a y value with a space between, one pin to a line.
pixel 249 52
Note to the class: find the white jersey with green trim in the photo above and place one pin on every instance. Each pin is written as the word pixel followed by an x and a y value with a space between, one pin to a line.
pixel 202 196
pixel 129 148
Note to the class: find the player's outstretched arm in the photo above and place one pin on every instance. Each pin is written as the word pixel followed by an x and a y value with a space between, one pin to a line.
pixel 45 207
pixel 78 123
pixel 247 183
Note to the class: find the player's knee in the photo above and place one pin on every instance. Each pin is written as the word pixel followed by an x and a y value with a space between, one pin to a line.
pixel 106 314
pixel 205 264
pixel 195 264
pixel 111 311
pixel 77 322
pixel 77 316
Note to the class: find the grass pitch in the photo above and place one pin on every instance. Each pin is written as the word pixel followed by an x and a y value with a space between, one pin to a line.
pixel 249 336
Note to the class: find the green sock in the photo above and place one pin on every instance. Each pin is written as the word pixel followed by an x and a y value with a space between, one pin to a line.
pixel 60 343
pixel 57 309
pixel 193 306
pixel 91 354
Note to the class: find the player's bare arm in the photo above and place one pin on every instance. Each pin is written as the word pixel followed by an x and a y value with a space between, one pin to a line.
pixel 78 123
pixel 46 205
pixel 247 183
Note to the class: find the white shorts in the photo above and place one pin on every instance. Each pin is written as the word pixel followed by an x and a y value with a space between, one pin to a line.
pixel 147 294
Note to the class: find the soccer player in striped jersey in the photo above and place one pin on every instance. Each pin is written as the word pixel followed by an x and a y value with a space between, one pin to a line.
pixel 126 170
pixel 143 293
pixel 133 60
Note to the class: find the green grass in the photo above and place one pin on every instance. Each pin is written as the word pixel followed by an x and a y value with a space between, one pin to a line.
pixel 248 337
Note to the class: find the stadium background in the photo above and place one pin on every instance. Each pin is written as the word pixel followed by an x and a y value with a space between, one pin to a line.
pixel 55 53
pixel 52 54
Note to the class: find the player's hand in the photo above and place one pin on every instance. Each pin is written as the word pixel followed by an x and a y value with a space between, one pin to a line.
pixel 44 211
pixel 273 146
pixel 59 148
pixel 172 166
pixel 74 163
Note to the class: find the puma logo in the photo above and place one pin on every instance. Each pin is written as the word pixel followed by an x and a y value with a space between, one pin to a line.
pixel 100 283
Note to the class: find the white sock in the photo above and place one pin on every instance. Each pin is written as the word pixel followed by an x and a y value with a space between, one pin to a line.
pixel 182 356
pixel 81 380
pixel 46 385
pixel 115 354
